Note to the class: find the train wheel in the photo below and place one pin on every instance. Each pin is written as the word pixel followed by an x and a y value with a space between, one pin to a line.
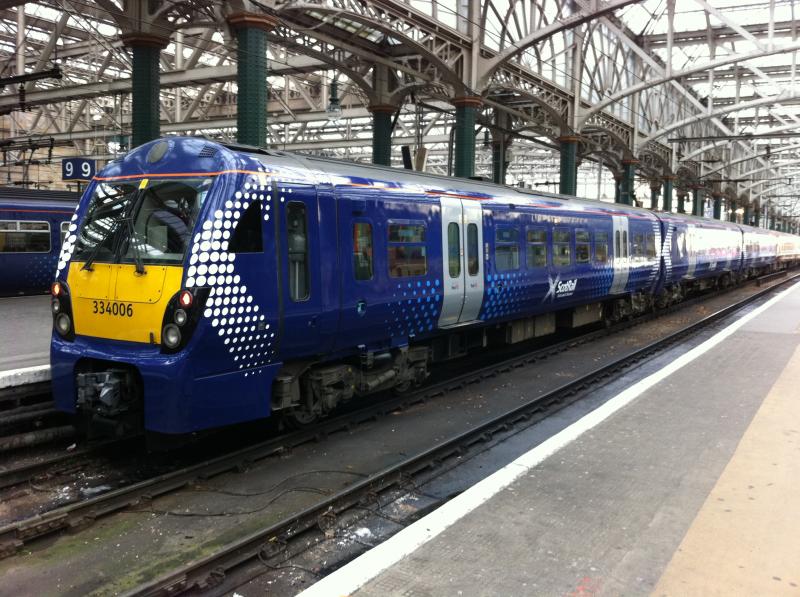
pixel 300 417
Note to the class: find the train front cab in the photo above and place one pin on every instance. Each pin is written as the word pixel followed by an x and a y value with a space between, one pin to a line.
pixel 165 308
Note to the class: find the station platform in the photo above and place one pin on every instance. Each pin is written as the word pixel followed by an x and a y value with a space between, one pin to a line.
pixel 683 482
pixel 25 326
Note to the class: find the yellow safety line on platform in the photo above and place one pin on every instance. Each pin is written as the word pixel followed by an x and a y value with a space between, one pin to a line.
pixel 745 540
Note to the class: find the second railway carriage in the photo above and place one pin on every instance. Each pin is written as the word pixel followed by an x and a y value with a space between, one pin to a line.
pixel 203 285
pixel 32 226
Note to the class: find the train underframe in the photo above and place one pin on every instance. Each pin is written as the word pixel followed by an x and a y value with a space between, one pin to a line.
pixel 110 399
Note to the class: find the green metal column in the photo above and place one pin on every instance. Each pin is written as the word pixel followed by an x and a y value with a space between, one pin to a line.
pixel 626 195
pixel 757 217
pixel 732 211
pixel 655 187
pixel 667 201
pixel 617 187
pixel 251 76
pixel 382 134
pixel 747 214
pixel 717 205
pixel 498 163
pixel 466 108
pixel 568 184
pixel 145 83
pixel 697 201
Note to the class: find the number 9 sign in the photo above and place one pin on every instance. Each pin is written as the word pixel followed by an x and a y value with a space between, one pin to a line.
pixel 78 169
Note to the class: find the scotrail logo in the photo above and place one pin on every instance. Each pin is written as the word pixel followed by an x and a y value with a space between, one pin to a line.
pixel 559 289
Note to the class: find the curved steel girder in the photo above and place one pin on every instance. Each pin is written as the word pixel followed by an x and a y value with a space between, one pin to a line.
pixel 753 156
pixel 557 117
pixel 576 19
pixel 764 168
pixel 398 95
pixel 352 74
pixel 656 162
pixel 617 141
pixel 714 64
pixel 776 99
pixel 446 72
pixel 778 129
pixel 608 158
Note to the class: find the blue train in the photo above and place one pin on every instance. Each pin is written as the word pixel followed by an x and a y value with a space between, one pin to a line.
pixel 33 224
pixel 203 285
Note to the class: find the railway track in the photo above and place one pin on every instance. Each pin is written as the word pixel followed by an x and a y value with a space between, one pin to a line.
pixel 15 536
pixel 271 542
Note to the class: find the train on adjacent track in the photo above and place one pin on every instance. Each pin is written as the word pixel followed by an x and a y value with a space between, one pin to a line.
pixel 203 285
pixel 33 224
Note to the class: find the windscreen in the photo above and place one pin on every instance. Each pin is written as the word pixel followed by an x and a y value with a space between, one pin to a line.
pixel 143 222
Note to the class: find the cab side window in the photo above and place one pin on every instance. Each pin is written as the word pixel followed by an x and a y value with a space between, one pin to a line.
pixel 247 237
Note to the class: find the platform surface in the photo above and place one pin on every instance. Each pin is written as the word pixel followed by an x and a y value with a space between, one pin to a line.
pixel 25 326
pixel 689 489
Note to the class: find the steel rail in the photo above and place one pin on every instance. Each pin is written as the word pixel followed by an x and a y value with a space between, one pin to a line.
pixel 211 570
pixel 14 536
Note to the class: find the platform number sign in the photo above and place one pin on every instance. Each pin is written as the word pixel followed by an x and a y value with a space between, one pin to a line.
pixel 78 169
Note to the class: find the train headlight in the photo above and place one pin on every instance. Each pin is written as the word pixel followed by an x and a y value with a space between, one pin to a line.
pixel 180 316
pixel 171 336
pixel 63 324
pixel 55 305
pixel 56 289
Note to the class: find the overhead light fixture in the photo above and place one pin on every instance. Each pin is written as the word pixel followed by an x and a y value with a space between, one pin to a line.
pixel 334 110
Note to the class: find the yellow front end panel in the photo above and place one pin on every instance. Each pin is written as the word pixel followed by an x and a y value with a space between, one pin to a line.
pixel 115 302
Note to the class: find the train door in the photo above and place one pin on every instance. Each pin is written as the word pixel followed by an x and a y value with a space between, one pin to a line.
pixel 621 254
pixel 299 266
pixel 462 253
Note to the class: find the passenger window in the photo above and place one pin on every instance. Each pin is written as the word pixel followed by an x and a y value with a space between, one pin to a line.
pixel 454 249
pixel 651 245
pixel 64 231
pixel 297 242
pixel 601 247
pixel 473 263
pixel 562 254
pixel 625 242
pixel 362 250
pixel 583 249
pixel 617 244
pixel 407 251
pixel 638 245
pixel 247 236
pixel 506 249
pixel 24 237
pixel 537 248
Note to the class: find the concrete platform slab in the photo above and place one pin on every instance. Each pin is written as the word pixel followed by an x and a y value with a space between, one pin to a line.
pixel 25 326
pixel 631 504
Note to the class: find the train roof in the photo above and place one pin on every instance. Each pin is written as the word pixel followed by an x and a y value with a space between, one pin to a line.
pixel 17 195
pixel 336 170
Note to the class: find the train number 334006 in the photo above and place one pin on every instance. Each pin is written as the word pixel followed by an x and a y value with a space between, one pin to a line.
pixel 111 308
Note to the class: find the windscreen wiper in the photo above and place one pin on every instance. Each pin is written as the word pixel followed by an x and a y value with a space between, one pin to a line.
pixel 93 255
